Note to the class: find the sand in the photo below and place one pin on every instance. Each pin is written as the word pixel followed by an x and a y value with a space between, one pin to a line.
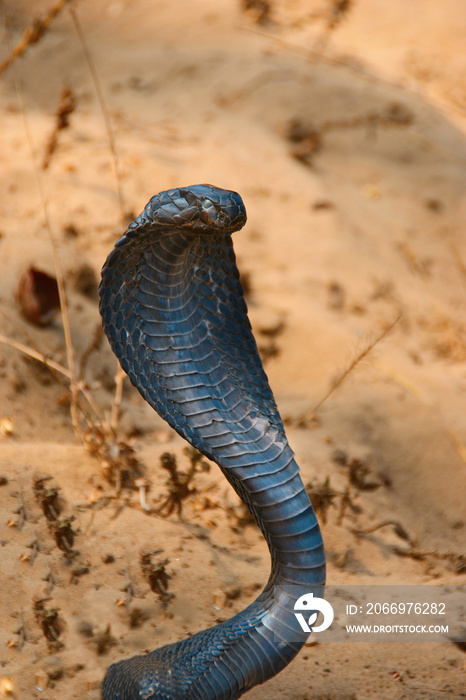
pixel 352 167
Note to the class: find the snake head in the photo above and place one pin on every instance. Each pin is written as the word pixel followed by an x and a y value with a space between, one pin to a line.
pixel 213 208
pixel 202 209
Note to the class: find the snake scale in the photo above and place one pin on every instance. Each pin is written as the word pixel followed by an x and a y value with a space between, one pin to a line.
pixel 174 312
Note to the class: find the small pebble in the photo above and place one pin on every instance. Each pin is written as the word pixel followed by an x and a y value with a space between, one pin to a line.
pixel 6 427
pixel 37 294
pixel 107 558
pixel 6 686
pixel 220 599
pixel 163 436
pixel 54 668
pixel 311 642
pixel 42 680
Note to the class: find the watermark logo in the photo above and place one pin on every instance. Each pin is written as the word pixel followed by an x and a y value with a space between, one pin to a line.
pixel 308 603
pixel 381 612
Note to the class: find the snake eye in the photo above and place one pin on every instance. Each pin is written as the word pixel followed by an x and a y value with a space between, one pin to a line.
pixel 207 204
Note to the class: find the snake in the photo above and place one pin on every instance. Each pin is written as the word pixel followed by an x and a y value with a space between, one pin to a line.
pixel 174 312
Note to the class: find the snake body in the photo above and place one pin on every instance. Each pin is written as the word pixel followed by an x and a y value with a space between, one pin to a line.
pixel 173 309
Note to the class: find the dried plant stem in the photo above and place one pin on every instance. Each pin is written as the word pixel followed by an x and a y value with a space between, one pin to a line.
pixel 52 365
pixel 103 107
pixel 313 57
pixel 33 34
pixel 58 271
pixel 335 384
pixel 459 262
pixel 55 367
pixel 399 530
pixel 62 120
pixel 317 56
pixel 93 346
pixel 116 403
pixel 336 13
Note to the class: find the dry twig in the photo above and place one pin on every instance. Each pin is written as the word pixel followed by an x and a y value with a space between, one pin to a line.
pixel 58 272
pixel 22 633
pixel 33 34
pixel 50 622
pixel 178 482
pixel 65 109
pixel 103 107
pixel 337 382
pixel 308 140
pixel 322 496
pixel 157 576
pixel 337 11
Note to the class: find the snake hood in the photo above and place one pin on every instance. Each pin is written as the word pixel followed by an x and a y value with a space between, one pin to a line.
pixel 200 208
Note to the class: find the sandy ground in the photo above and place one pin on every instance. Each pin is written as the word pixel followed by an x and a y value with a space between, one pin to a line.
pixel 352 169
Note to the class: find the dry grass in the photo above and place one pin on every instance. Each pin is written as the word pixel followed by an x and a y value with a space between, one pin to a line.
pixel 337 382
pixel 33 34
pixel 99 433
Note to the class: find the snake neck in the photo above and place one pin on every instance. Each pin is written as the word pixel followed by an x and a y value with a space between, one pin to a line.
pixel 275 496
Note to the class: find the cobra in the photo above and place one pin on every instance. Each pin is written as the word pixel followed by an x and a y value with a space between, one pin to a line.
pixel 174 312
